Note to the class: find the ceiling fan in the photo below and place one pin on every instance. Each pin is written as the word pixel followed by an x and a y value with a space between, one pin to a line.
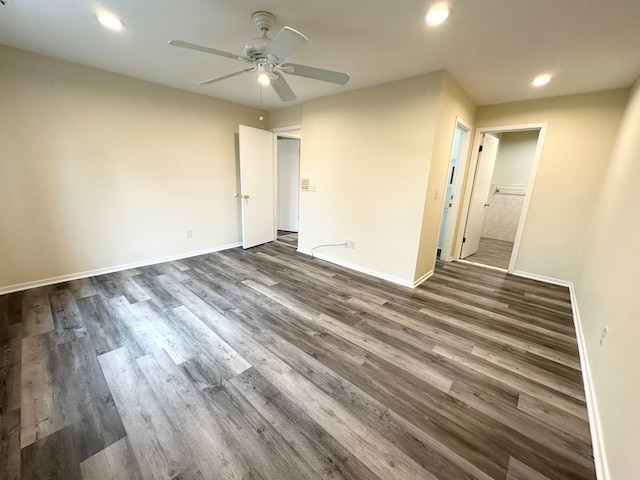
pixel 267 56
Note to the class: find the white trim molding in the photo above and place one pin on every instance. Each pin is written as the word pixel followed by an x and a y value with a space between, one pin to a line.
pixel 597 441
pixel 117 268
pixel 423 278
pixel 542 278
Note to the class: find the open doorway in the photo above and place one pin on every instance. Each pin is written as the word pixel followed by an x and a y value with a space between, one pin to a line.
pixel 459 151
pixel 288 191
pixel 498 194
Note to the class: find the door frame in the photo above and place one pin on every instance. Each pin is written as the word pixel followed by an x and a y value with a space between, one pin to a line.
pixel 470 178
pixel 287 132
pixel 448 241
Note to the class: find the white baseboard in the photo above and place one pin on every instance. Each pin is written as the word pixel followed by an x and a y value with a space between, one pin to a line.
pixel 423 278
pixel 542 278
pixel 597 441
pixel 117 268
pixel 368 271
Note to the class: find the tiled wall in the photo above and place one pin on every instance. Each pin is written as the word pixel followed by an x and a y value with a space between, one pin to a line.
pixel 503 213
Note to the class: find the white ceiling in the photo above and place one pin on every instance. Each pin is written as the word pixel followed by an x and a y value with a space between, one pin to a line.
pixel 493 48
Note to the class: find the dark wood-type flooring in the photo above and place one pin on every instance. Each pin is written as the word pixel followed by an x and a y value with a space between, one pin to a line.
pixel 492 252
pixel 266 364
pixel 290 238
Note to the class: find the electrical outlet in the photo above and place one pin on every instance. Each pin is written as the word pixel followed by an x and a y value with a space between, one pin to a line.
pixel 605 330
pixel 188 233
pixel 350 243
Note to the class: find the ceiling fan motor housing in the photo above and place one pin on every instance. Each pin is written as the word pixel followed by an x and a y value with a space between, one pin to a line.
pixel 256 47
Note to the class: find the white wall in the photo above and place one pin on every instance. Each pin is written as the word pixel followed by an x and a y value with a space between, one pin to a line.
pixel 607 291
pixel 99 170
pixel 515 156
pixel 288 183
pixel 369 153
pixel 580 135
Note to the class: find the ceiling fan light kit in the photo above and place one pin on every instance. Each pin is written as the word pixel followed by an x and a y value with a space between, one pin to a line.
pixel 267 56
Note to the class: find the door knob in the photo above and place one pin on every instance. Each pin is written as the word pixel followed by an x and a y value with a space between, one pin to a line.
pixel 245 196
pixel 487 204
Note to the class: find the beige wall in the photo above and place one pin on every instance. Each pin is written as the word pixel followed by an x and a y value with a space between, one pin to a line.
pixel 368 152
pixel 607 294
pixel 454 105
pixel 580 136
pixel 99 170
pixel 285 117
pixel 516 151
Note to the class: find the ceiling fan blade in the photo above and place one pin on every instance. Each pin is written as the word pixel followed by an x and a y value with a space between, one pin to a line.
pixel 317 73
pixel 222 77
pixel 286 42
pixel 283 89
pixel 201 48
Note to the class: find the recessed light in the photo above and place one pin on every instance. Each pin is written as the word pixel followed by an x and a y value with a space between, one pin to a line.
pixel 437 15
pixel 110 22
pixel 541 80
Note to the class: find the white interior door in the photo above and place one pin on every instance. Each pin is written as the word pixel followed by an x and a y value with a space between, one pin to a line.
pixel 256 183
pixel 479 195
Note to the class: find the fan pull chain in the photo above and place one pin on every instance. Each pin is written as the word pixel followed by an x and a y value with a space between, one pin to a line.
pixel 261 117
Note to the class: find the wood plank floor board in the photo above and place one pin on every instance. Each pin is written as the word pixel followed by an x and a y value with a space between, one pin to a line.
pixel 411 400
pixel 269 451
pixel 520 471
pixel 36 312
pixel 10 371
pixel 493 252
pixel 67 320
pixel 157 445
pixel 547 348
pixel 156 292
pixel 106 330
pixel 372 449
pixel 415 321
pixel 10 445
pixel 475 364
pixel 116 462
pixel 518 429
pixel 269 364
pixel 11 310
pixel 51 457
pixel 120 284
pixel 555 417
pixel 502 303
pixel 200 431
pixel 323 453
pixel 496 319
pixel 42 412
pixel 571 384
